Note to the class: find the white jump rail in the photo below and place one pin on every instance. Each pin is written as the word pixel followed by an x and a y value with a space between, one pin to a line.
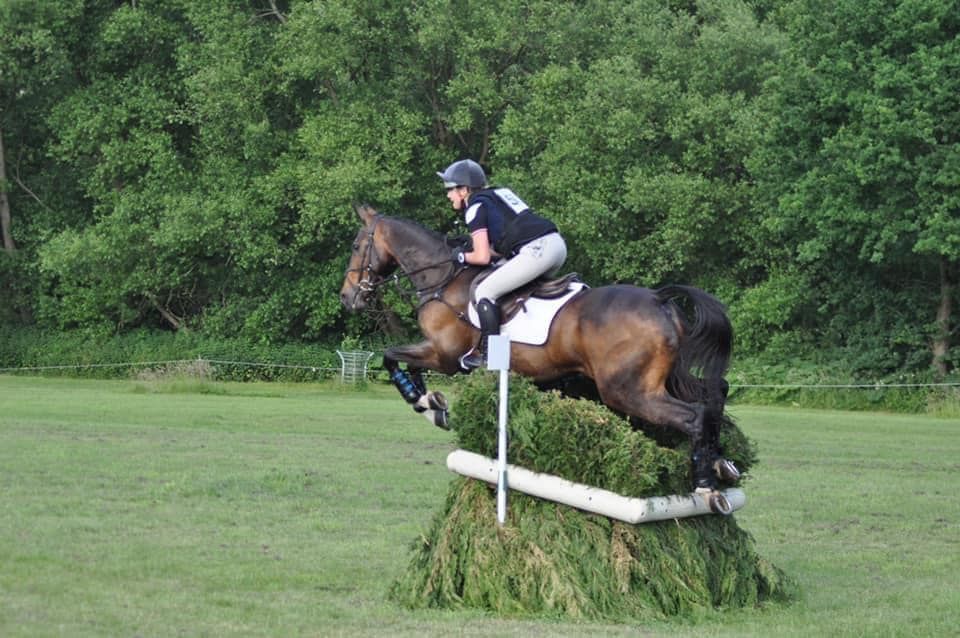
pixel 587 498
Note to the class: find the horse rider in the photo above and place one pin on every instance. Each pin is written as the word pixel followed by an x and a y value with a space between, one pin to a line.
pixel 504 231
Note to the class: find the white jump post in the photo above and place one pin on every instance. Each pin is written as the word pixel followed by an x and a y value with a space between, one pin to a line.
pixel 498 358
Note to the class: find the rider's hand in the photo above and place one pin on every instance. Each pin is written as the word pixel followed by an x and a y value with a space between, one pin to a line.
pixel 458 256
pixel 463 241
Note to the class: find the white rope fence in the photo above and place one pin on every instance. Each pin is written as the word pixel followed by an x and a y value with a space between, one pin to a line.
pixel 73 366
pixel 866 386
pixel 365 372
pixel 170 362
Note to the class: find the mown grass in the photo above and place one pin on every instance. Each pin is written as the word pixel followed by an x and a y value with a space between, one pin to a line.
pixel 212 509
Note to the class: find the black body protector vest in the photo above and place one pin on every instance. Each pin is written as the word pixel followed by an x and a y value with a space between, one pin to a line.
pixel 520 225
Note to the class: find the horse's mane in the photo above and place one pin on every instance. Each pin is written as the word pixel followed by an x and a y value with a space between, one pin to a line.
pixel 415 229
pixel 419 228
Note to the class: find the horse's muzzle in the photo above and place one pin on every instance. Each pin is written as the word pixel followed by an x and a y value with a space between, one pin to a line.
pixel 353 299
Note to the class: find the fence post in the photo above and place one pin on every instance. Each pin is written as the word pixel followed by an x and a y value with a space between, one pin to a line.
pixel 499 359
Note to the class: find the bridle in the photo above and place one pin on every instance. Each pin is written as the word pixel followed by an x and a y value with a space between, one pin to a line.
pixel 371 280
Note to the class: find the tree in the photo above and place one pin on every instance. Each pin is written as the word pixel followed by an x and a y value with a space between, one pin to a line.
pixel 188 165
pixel 639 154
pixel 36 68
pixel 8 244
pixel 119 131
pixel 861 171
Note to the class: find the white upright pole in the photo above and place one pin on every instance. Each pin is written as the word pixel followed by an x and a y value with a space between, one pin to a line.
pixel 498 358
pixel 502 451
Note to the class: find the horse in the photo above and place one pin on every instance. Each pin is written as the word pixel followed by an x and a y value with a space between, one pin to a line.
pixel 632 348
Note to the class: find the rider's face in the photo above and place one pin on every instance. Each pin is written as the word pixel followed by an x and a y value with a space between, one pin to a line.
pixel 458 196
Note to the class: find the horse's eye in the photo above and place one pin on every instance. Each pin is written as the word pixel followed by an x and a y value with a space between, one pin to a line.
pixel 356 247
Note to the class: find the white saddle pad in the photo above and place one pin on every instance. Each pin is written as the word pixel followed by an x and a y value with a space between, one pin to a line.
pixel 532 323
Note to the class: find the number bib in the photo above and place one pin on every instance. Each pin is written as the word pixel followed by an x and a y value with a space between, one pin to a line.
pixel 510 198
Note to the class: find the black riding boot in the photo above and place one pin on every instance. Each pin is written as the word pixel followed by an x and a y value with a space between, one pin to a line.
pixel 489 314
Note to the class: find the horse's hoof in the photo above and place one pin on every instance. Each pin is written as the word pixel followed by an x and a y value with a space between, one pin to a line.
pixel 726 470
pixel 437 401
pixel 434 408
pixel 438 418
pixel 719 504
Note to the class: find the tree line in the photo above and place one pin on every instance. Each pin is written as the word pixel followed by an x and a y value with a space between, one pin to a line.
pixel 174 165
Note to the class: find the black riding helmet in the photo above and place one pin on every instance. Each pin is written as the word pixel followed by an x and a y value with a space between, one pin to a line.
pixel 464 173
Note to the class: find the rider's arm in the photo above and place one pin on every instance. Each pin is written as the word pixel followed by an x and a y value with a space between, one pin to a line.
pixel 482 253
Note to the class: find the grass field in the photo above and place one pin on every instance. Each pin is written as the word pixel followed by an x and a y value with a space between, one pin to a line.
pixel 163 509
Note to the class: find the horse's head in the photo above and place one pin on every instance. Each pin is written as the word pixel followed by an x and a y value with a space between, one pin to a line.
pixel 370 262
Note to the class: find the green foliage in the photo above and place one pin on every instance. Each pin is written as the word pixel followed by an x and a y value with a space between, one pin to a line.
pixel 854 172
pixel 16 272
pixel 763 313
pixel 639 153
pixel 190 166
pixel 554 560
pixel 825 382
pixel 104 355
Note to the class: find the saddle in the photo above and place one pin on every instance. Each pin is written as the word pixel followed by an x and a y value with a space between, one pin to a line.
pixel 540 288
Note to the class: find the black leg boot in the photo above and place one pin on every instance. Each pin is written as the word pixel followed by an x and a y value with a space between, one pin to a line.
pixel 489 314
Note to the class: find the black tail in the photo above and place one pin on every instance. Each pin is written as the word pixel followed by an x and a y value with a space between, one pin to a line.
pixel 705 347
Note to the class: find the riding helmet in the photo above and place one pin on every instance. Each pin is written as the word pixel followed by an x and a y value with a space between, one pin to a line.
pixel 464 173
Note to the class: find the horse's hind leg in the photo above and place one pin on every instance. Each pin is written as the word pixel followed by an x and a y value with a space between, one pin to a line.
pixel 723 468
pixel 662 409
pixel 658 408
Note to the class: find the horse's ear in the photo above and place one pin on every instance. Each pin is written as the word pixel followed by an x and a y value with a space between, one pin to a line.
pixel 365 212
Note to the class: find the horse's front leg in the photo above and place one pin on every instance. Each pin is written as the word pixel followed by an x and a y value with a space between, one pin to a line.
pixel 410 383
pixel 432 404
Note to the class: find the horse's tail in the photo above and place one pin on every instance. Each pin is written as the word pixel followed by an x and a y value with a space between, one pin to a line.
pixel 705 346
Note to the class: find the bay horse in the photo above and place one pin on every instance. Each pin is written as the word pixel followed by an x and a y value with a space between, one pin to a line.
pixel 633 347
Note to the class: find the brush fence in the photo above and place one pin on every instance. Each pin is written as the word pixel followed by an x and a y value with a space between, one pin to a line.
pixel 584 497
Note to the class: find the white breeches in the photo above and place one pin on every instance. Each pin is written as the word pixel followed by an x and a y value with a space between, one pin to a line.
pixel 543 256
